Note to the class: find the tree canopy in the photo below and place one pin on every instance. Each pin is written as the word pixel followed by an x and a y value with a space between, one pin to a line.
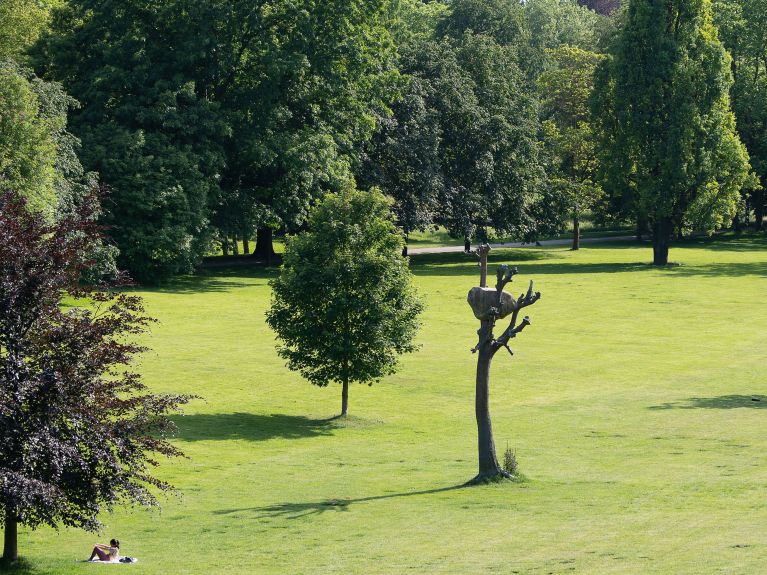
pixel 343 306
pixel 667 132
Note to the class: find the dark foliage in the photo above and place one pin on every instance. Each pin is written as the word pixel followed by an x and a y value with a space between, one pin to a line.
pixel 78 431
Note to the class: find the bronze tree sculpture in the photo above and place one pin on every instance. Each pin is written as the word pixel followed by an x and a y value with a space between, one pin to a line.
pixel 490 305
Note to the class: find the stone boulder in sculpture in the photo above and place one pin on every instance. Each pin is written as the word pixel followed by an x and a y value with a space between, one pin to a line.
pixel 483 299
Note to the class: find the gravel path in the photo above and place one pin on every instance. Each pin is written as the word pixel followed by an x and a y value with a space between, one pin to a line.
pixel 543 243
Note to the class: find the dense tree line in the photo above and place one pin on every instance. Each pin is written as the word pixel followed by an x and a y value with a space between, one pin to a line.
pixel 215 123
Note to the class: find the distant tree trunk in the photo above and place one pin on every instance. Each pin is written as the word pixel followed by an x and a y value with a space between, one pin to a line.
pixel 466 245
pixel 245 243
pixel 489 467
pixel 576 233
pixel 641 228
pixel 661 236
pixel 483 251
pixel 404 248
pixel 10 539
pixel 225 246
pixel 345 397
pixel 264 245
pixel 759 198
pixel 235 245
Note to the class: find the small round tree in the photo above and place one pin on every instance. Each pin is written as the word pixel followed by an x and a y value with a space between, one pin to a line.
pixel 344 307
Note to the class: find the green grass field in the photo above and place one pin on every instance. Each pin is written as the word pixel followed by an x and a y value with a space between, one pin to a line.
pixel 629 403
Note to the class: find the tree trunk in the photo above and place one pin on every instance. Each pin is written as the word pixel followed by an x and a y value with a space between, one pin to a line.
pixel 576 233
pixel 245 244
pixel 225 247
pixel 235 246
pixel 759 198
pixel 10 540
pixel 345 397
pixel 489 468
pixel 264 245
pixel 661 236
pixel 641 228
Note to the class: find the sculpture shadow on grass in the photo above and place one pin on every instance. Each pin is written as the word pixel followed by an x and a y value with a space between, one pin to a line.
pixel 720 402
pixel 297 510
pixel 250 426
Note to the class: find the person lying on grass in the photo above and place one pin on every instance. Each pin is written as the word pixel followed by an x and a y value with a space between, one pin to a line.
pixel 109 552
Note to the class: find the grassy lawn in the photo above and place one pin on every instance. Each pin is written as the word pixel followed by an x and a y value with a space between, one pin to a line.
pixel 629 402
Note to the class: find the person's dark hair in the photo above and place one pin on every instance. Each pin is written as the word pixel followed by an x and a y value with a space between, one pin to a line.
pixel 115 543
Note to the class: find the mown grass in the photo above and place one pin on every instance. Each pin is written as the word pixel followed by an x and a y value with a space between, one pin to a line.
pixel 636 403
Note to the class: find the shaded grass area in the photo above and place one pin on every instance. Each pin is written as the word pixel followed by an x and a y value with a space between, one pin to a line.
pixel 631 402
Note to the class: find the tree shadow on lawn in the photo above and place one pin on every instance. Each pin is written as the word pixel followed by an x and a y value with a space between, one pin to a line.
pixel 213 280
pixel 18 567
pixel 250 426
pixel 728 242
pixel 526 270
pixel 445 265
pixel 721 402
pixel 297 510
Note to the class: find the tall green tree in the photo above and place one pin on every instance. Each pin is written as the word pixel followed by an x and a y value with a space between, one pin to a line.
pixel 27 145
pixel 461 148
pixel 743 29
pixel 566 90
pixel 343 306
pixel 666 129
pixel 147 128
pixel 38 155
pixel 310 81
pixel 216 118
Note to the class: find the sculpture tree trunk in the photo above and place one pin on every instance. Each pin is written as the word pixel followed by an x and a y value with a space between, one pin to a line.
pixel 10 539
pixel 489 468
pixel 490 305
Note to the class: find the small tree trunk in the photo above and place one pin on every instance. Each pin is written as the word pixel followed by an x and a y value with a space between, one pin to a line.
pixel 345 397
pixel 759 198
pixel 245 244
pixel 235 246
pixel 660 241
pixel 576 233
pixel 10 539
pixel 225 246
pixel 264 245
pixel 489 468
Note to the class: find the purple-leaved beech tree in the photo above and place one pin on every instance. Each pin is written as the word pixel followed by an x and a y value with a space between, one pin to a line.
pixel 78 430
